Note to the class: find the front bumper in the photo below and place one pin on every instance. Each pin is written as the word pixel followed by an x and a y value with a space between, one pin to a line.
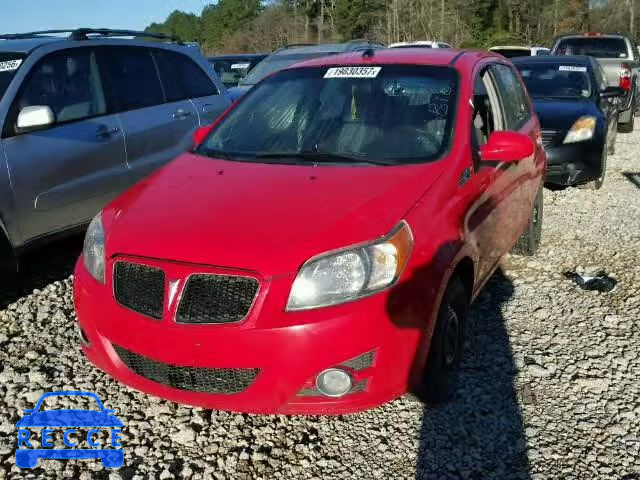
pixel 288 348
pixel 570 164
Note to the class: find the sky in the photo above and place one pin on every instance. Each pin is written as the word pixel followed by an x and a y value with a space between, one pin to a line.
pixel 29 15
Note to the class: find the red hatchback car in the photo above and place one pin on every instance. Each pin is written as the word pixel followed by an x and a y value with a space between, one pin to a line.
pixel 318 249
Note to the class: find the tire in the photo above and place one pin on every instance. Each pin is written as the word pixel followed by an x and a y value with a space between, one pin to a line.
pixel 529 241
pixel 597 183
pixel 445 351
pixel 627 127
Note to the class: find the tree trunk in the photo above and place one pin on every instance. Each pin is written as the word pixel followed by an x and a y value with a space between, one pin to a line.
pixel 441 21
pixel 321 21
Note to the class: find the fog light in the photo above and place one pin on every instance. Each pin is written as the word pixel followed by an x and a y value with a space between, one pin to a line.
pixel 334 382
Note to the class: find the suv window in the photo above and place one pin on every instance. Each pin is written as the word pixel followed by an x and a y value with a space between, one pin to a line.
pixel 68 82
pixel 181 77
pixel 133 77
pixel 514 97
pixel 599 47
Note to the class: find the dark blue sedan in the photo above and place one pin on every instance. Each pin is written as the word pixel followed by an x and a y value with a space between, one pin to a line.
pixel 578 114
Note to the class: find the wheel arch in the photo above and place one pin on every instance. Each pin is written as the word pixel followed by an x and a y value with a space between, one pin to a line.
pixel 8 256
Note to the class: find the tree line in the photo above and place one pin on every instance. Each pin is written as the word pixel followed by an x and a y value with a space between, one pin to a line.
pixel 259 26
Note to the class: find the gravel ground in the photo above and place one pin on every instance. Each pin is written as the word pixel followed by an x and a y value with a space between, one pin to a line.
pixel 549 385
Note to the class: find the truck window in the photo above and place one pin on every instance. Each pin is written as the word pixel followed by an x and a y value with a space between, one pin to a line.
pixel 599 47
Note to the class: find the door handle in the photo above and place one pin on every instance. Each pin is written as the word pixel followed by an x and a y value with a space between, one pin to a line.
pixel 180 114
pixel 104 131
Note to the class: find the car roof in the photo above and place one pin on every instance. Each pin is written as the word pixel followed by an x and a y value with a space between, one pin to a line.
pixel 582 59
pixel 411 56
pixel 325 47
pixel 237 55
pixel 25 45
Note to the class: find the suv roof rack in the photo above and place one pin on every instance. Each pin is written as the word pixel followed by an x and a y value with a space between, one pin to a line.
pixel 86 33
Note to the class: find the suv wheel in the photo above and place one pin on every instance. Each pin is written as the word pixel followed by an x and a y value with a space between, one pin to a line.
pixel 447 341
pixel 529 241
pixel 627 127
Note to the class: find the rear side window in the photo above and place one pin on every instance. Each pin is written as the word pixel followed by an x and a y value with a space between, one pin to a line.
pixel 133 78
pixel 514 97
pixel 182 77
pixel 599 47
pixel 66 81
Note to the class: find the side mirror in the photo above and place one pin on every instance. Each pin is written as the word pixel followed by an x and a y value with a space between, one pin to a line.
pixel 200 134
pixel 506 147
pixel 36 116
pixel 612 92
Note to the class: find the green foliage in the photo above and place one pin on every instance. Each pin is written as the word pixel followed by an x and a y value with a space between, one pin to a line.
pixel 356 18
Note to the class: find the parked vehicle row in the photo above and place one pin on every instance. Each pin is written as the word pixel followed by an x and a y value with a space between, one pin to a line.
pixel 314 248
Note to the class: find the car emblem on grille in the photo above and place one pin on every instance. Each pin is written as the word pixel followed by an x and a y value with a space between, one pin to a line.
pixel 173 289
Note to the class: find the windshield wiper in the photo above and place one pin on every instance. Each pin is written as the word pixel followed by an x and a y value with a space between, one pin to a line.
pixel 314 156
pixel 212 153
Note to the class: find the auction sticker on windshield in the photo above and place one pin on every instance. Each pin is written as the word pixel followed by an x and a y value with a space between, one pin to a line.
pixel 352 72
pixel 240 66
pixel 572 68
pixel 9 65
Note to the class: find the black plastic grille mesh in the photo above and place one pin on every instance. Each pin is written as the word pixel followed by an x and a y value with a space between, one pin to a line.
pixel 360 363
pixel 194 379
pixel 139 287
pixel 216 299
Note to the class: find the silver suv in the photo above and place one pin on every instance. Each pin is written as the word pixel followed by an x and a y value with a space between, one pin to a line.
pixel 85 116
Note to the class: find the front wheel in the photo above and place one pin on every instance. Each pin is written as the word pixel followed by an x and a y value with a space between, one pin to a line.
pixel 597 183
pixel 445 350
pixel 627 127
pixel 529 241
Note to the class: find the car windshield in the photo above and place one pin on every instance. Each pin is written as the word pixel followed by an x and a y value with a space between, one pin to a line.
pixel 557 80
pixel 593 46
pixel 391 114
pixel 9 64
pixel 278 62
pixel 512 52
pixel 232 70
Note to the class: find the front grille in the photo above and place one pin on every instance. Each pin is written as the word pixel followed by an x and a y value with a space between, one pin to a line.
pixel 193 379
pixel 139 288
pixel 549 137
pixel 216 299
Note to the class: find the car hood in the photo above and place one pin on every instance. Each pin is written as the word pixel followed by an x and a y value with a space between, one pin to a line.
pixel 69 418
pixel 262 217
pixel 560 114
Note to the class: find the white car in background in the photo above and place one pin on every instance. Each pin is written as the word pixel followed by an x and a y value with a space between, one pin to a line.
pixel 420 44
pixel 511 51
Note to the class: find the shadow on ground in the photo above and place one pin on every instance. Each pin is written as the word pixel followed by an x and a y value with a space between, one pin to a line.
pixel 39 268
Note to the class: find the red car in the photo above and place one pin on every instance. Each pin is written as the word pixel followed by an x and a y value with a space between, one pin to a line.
pixel 318 249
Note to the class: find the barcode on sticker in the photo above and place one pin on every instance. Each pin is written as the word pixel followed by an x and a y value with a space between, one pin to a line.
pixel 571 68
pixel 239 66
pixel 352 72
pixel 9 65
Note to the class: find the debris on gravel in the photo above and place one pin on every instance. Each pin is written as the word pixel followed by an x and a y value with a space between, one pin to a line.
pixel 548 388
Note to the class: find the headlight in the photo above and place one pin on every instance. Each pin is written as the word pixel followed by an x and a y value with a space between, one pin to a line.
pixel 581 130
pixel 93 250
pixel 351 273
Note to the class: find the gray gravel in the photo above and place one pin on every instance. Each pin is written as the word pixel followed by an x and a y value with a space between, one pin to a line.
pixel 549 387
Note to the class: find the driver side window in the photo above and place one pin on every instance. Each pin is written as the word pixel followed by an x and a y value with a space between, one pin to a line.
pixel 68 82
pixel 487 113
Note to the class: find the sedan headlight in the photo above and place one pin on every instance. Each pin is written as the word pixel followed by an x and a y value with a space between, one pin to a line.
pixel 93 250
pixel 351 273
pixel 581 130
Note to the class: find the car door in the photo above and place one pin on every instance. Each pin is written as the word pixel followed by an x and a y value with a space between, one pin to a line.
pixel 157 129
pixel 486 215
pixel 62 174
pixel 522 180
pixel 188 80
